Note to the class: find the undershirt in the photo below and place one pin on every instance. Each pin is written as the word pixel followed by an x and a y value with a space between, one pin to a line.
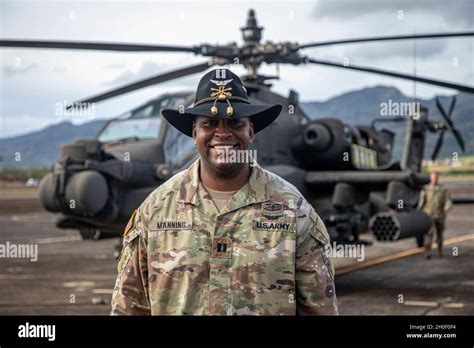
pixel 220 198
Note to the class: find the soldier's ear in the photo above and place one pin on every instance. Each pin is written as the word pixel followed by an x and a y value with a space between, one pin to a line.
pixel 194 130
pixel 251 132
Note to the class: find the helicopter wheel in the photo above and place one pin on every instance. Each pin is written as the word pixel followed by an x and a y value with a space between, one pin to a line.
pixel 420 240
pixel 90 234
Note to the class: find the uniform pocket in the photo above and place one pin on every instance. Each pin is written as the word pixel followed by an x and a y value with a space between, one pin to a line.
pixel 178 264
pixel 263 264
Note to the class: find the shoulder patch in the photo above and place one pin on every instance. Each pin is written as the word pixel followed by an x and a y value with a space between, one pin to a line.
pixel 131 224
pixel 131 236
pixel 319 232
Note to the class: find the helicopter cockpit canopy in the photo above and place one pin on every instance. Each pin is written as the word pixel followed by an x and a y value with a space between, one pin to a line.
pixel 143 123
pixel 139 128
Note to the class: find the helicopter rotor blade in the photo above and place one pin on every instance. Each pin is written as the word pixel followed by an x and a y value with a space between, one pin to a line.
pixel 385 38
pixel 438 146
pixel 449 121
pixel 460 139
pixel 171 75
pixel 447 116
pixel 446 84
pixel 451 107
pixel 443 113
pixel 98 46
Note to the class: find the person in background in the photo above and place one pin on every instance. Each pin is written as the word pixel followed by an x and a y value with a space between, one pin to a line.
pixel 435 200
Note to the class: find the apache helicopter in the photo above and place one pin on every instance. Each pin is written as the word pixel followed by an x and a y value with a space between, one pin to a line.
pixel 346 172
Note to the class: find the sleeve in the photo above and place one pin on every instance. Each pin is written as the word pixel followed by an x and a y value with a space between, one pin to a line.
pixel 315 288
pixel 421 201
pixel 448 204
pixel 130 295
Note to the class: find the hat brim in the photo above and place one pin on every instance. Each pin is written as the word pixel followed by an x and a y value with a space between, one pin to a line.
pixel 260 115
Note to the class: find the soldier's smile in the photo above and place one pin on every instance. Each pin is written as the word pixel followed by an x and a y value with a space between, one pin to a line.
pixel 219 153
pixel 217 138
pixel 219 150
pixel 224 146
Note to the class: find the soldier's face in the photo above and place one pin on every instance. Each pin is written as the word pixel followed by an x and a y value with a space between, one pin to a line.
pixel 434 178
pixel 217 138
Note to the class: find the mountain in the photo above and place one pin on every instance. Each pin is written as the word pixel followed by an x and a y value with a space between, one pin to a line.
pixel 362 106
pixel 41 148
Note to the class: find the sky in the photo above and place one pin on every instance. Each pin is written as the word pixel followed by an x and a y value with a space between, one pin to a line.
pixel 34 82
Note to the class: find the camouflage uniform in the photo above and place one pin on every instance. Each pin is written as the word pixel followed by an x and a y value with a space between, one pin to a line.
pixel 262 254
pixel 435 200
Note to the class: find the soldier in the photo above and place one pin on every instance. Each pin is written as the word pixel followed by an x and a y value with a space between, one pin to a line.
pixel 224 237
pixel 435 200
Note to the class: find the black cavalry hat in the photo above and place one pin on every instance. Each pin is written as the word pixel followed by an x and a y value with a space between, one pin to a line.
pixel 221 94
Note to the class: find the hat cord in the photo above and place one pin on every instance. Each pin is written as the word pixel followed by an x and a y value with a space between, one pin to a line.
pixel 215 111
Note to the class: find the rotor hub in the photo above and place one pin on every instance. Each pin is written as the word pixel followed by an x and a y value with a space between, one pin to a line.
pixel 252 33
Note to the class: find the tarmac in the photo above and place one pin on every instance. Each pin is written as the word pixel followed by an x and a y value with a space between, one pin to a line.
pixel 75 277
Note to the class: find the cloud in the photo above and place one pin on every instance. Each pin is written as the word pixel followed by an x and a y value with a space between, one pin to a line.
pixel 368 18
pixel 147 69
pixel 385 52
pixel 119 65
pixel 58 69
pixel 454 12
pixel 71 75
pixel 29 123
pixel 11 70
pixel 424 50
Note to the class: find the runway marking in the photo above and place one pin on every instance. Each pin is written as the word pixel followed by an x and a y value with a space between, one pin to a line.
pixel 102 291
pixel 56 239
pixel 398 255
pixel 41 276
pixel 421 303
pixel 101 257
pixel 79 284
pixel 433 304
pixel 21 276
pixel 454 305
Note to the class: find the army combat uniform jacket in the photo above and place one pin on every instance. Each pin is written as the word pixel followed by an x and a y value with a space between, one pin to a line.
pixel 435 200
pixel 264 253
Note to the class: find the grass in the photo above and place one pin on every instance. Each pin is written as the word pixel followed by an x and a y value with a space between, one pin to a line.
pixel 12 190
pixel 463 167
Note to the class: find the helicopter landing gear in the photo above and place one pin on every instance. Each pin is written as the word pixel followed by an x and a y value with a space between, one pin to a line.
pixel 90 234
pixel 420 240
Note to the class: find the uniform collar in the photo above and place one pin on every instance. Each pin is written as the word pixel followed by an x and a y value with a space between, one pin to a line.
pixel 255 191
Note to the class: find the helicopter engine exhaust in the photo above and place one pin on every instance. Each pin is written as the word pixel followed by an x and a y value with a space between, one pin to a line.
pixel 393 226
pixel 316 137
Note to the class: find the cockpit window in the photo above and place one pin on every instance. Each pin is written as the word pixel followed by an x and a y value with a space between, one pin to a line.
pixel 145 111
pixel 176 144
pixel 137 128
pixel 143 122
